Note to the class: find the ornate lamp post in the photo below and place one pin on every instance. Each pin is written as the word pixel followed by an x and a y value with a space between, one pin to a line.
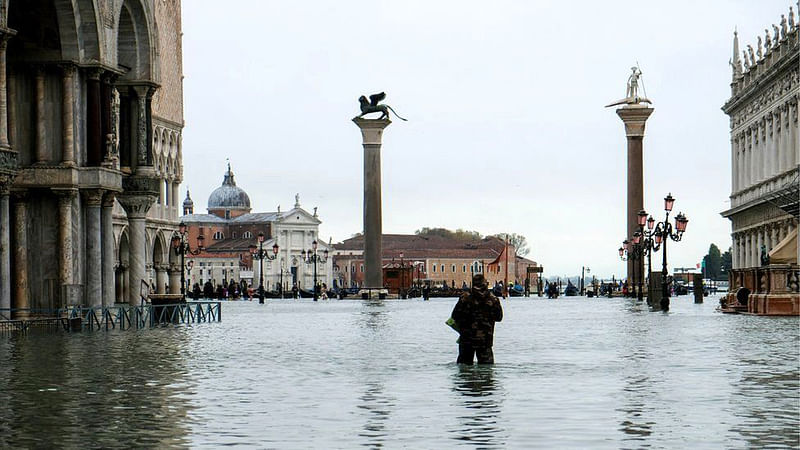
pixel 311 257
pixel 181 246
pixel 664 231
pixel 260 254
pixel 402 275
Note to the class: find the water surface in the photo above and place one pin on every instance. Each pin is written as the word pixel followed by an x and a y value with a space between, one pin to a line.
pixel 570 373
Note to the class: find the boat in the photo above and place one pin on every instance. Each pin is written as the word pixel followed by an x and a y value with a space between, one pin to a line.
pixel 571 290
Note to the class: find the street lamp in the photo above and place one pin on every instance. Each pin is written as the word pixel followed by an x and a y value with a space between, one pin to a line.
pixel 664 231
pixel 260 254
pixel 402 275
pixel 311 257
pixel 181 247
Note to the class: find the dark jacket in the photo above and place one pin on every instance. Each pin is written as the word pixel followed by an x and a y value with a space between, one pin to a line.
pixel 475 315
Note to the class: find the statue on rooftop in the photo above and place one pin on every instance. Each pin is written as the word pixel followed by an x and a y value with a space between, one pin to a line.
pixel 752 54
pixel 791 18
pixel 746 61
pixel 759 52
pixel 767 40
pixel 373 105
pixel 784 29
pixel 632 90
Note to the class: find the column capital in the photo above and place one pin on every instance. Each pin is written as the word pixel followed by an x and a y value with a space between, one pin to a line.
pixel 371 129
pixel 108 199
pixel 6 180
pixel 94 197
pixel 136 206
pixel 634 118
pixel 65 193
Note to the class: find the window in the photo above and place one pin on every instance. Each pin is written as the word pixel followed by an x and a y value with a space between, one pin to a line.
pixel 464 268
pixel 352 269
pixel 233 234
pixel 247 235
pixel 218 236
pixel 227 213
pixel 453 268
pixel 442 268
pixel 498 267
pixel 362 268
pixel 434 268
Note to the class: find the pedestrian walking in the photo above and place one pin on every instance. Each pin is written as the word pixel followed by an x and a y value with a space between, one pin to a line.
pixel 475 315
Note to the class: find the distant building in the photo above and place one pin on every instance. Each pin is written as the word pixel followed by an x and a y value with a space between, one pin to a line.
pixel 230 229
pixel 765 186
pixel 432 260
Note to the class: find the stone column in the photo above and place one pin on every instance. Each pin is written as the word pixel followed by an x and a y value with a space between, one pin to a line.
pixel 174 279
pixel 634 118
pixel 65 272
pixel 161 278
pixel 68 117
pixel 143 143
pixel 94 125
pixel 41 125
pixel 371 134
pixel 136 207
pixel 109 259
pixel 94 247
pixel 12 108
pixel 734 163
pixel 4 122
pixel 21 291
pixel 5 243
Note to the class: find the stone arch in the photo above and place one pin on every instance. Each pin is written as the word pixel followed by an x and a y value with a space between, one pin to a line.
pixel 121 278
pixel 136 38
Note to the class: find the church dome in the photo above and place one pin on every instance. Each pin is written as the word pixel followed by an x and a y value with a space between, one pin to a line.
pixel 229 196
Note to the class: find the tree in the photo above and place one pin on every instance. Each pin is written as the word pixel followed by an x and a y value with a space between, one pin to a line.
pixel 459 234
pixel 518 241
pixel 712 262
pixel 726 264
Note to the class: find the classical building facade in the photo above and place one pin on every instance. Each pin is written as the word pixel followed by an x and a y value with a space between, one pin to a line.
pixel 91 115
pixel 230 229
pixel 765 153
pixel 432 260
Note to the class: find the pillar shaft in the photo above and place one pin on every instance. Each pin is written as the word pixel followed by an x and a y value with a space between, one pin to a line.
pixel 161 279
pixel 4 140
pixel 21 291
pixel 136 207
pixel 41 126
pixel 634 117
pixel 372 132
pixel 108 250
pixel 68 117
pixel 175 280
pixel 94 129
pixel 94 248
pixel 65 237
pixel 5 245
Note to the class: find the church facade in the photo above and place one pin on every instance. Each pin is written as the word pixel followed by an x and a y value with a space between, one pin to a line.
pixel 91 116
pixel 765 153
pixel 231 230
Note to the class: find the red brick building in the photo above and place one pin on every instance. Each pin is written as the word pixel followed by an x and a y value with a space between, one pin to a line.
pixel 433 260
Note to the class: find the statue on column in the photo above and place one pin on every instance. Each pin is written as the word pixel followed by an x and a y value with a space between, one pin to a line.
pixel 784 28
pixel 759 52
pixel 373 105
pixel 752 55
pixel 767 40
pixel 746 61
pixel 632 90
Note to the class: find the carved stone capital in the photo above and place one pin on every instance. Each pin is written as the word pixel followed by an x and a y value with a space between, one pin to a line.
pixel 65 196
pixel 108 199
pixel 136 206
pixel 93 197
pixel 6 180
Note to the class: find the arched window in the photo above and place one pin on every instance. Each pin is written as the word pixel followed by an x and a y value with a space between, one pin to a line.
pixel 247 235
pixel 218 236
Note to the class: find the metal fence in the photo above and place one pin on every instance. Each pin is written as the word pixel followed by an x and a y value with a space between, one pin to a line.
pixel 123 317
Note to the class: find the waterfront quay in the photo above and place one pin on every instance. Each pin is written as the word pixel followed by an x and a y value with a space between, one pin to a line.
pixel 570 373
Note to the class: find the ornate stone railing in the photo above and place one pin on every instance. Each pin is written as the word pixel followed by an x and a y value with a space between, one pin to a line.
pixel 771 279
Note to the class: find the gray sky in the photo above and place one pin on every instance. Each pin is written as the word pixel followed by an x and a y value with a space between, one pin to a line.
pixel 507 131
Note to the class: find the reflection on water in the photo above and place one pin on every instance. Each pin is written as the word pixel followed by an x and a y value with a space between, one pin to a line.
pixel 571 373
pixel 480 402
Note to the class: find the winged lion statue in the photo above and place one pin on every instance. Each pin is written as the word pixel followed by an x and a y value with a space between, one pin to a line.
pixel 374 105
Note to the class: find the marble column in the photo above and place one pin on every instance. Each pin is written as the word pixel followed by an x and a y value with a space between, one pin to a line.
pixel 174 279
pixel 634 117
pixel 5 244
pixel 143 143
pixel 108 240
pixel 12 108
pixel 734 251
pixel 136 207
pixel 161 278
pixel 41 118
pixel 372 134
pixel 94 125
pixel 94 248
pixel 745 249
pixel 4 120
pixel 21 290
pixel 68 117
pixel 759 243
pixel 65 263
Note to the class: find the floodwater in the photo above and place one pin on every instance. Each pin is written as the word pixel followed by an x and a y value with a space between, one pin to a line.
pixel 570 373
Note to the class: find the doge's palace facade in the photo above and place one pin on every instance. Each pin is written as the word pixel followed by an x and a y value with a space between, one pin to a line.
pixel 91 116
pixel 765 143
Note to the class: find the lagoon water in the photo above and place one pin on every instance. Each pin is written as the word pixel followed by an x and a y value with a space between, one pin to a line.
pixel 570 373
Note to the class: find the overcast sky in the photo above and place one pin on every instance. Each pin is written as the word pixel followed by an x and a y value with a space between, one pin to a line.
pixel 507 128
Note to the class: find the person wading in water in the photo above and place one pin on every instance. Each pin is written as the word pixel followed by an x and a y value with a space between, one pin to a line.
pixel 475 315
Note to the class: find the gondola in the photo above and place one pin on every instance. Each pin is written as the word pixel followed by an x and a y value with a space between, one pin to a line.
pixel 305 293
